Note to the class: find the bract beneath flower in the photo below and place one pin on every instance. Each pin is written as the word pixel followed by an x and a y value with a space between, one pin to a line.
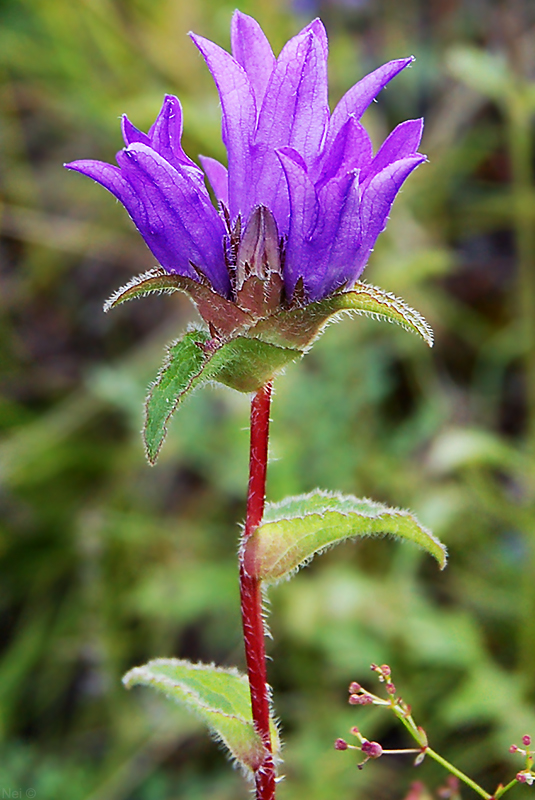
pixel 303 199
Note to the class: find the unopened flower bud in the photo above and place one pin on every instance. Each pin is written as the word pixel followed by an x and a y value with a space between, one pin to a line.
pixel 390 688
pixel 371 749
pixel 258 253
pixel 526 740
pixel 513 748
pixel 360 699
pixel 340 744
pixel 385 669
pixel 354 687
pixel 355 731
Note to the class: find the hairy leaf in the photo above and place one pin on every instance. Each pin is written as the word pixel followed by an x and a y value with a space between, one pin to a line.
pixel 300 327
pixel 220 697
pixel 293 531
pixel 225 317
pixel 196 359
pixel 180 374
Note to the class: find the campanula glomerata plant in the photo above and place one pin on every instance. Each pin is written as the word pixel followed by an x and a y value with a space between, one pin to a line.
pixel 268 264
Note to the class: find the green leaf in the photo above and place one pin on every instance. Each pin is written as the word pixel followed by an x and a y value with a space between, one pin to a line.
pixel 180 374
pixel 293 531
pixel 300 327
pixel 220 697
pixel 196 359
pixel 247 364
pixel 225 317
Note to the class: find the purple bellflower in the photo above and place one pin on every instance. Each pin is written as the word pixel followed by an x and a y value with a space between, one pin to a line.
pixel 304 197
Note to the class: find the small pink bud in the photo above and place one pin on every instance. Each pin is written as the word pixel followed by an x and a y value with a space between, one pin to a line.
pixel 371 749
pixel 385 669
pixel 521 777
pixel 340 744
pixel 355 731
pixel 374 667
pixel 390 688
pixel 360 699
pixel 526 740
pixel 513 748
pixel 354 687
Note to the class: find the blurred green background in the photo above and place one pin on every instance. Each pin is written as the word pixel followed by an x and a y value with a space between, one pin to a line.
pixel 106 562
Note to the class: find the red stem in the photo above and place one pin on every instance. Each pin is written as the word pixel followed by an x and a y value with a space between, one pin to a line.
pixel 250 591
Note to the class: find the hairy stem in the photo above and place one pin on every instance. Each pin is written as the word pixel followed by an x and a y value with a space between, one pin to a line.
pixel 250 591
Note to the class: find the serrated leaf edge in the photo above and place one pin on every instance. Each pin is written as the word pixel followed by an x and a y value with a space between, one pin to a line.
pixel 161 372
pixel 382 512
pixel 414 321
pixel 121 295
pixel 130 679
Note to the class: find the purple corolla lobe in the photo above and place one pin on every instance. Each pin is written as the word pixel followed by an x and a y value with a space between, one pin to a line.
pixel 314 174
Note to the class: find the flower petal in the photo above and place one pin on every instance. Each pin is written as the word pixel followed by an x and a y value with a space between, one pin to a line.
pixel 377 201
pixel 166 134
pixel 303 216
pixel 132 134
pixel 358 98
pixel 402 142
pixel 345 237
pixel 252 50
pixel 295 109
pixel 294 114
pixel 318 28
pixel 218 176
pixel 351 149
pixel 114 181
pixel 239 116
pixel 180 224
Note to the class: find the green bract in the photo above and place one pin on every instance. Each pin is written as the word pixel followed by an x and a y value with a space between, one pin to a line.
pixel 244 349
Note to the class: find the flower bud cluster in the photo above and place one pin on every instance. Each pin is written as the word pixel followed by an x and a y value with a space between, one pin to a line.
pixel 526 775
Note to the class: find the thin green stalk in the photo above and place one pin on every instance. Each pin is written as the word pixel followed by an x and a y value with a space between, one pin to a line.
pixel 457 772
pixel 503 789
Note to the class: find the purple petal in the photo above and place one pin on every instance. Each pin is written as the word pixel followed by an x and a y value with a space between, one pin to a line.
pixel 114 181
pixel 358 98
pixel 327 265
pixel 303 215
pixel 295 110
pixel 346 236
pixel 377 201
pixel 294 114
pixel 351 149
pixel 166 134
pixel 318 28
pixel 402 142
pixel 179 223
pixel 218 176
pixel 132 134
pixel 239 116
pixel 252 50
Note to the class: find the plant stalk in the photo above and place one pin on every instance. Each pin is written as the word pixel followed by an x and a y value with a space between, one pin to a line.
pixel 251 593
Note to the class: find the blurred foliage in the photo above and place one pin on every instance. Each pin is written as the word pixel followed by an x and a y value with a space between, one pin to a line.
pixel 107 563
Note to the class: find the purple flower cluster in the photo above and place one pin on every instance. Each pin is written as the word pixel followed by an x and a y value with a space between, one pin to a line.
pixel 315 172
